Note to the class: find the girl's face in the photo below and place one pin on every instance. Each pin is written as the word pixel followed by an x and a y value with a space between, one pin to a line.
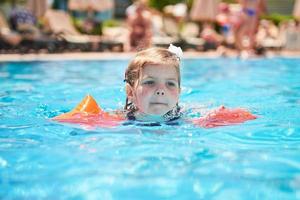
pixel 157 90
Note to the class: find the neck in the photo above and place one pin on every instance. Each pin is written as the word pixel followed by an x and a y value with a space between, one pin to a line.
pixel 140 116
pixel 171 115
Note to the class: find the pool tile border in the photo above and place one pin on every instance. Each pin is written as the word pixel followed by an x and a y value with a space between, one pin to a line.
pixel 113 56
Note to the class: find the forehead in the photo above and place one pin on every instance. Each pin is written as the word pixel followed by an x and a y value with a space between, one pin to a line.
pixel 162 71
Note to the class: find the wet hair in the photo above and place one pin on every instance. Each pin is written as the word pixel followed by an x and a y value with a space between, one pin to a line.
pixel 151 56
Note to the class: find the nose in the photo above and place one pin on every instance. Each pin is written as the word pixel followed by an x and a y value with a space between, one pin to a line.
pixel 160 92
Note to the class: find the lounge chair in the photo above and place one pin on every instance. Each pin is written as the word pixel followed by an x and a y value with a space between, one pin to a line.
pixel 189 33
pixel 60 24
pixel 187 37
pixel 32 39
pixel 114 38
pixel 161 36
pixel 292 40
pixel 269 36
pixel 291 35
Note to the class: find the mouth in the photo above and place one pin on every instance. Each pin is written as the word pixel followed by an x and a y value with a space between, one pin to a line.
pixel 158 104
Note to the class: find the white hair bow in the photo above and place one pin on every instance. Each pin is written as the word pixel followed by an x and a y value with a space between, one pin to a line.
pixel 176 50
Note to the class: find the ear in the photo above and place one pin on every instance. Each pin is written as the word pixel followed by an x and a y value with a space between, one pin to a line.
pixel 129 92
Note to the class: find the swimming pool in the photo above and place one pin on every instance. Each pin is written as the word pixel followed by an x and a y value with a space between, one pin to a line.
pixel 259 159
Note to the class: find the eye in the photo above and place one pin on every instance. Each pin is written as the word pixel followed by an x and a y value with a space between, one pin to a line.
pixel 171 84
pixel 148 82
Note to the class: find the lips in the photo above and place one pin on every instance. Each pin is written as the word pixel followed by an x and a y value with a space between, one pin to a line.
pixel 158 103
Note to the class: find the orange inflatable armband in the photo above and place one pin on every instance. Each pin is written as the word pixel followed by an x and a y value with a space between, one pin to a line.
pixel 224 117
pixel 87 112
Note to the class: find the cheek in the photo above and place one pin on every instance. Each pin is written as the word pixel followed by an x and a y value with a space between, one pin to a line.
pixel 174 93
pixel 143 93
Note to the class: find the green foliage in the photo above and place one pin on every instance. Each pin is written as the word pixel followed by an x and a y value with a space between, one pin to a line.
pixel 189 3
pixel 13 1
pixel 79 24
pixel 160 4
pixel 97 30
pixel 111 23
pixel 278 18
pixel 229 1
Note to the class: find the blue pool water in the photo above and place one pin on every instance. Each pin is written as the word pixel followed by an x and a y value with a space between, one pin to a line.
pixel 43 159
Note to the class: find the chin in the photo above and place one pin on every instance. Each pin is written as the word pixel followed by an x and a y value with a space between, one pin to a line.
pixel 158 111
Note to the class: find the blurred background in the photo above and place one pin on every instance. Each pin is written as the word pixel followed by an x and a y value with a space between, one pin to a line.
pixel 224 26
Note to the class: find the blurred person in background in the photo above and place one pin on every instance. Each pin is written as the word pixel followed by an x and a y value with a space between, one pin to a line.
pixel 246 32
pixel 228 21
pixel 7 35
pixel 131 10
pixel 23 21
pixel 267 30
pixel 212 39
pixel 140 26
pixel 268 36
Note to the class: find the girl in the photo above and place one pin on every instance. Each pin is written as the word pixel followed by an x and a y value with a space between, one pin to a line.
pixel 152 87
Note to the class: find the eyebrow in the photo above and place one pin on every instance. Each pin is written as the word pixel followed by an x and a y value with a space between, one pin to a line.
pixel 170 79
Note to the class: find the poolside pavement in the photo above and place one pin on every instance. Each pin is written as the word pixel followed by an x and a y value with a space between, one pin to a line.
pixel 112 56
